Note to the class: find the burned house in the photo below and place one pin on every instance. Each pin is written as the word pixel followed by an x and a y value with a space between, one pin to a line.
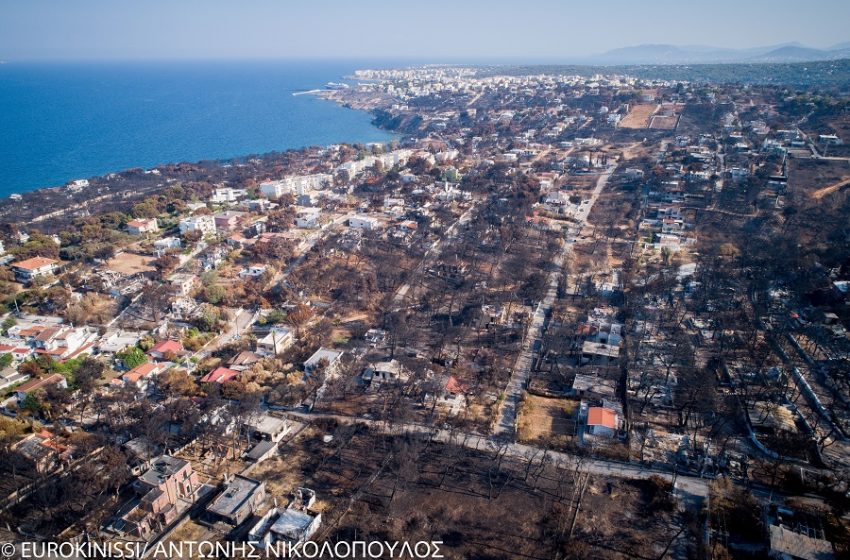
pixel 239 499
pixel 290 526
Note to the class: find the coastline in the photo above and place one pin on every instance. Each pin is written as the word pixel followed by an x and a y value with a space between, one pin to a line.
pixel 231 113
pixel 306 92
pixel 51 206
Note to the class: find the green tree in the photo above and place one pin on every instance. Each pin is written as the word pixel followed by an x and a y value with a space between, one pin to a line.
pixel 275 316
pixel 39 245
pixel 132 357
pixel 146 209
pixel 32 403
pixel 215 294
pixel 209 277
pixel 8 323
pixel 209 319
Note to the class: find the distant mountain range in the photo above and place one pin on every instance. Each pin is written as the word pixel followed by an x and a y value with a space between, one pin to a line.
pixel 695 54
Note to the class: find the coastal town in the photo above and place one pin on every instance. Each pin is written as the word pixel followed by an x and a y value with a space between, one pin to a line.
pixel 558 316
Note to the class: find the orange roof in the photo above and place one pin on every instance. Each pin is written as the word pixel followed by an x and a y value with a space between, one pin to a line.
pixel 47 441
pixel 32 331
pixel 54 352
pixel 600 416
pixel 220 375
pixel 54 445
pixel 34 384
pixel 140 371
pixel 34 263
pixel 165 346
pixel 47 334
pixel 455 385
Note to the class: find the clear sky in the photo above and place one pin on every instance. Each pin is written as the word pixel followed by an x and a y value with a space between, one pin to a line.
pixel 436 30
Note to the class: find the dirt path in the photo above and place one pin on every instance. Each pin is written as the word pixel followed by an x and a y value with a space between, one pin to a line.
pixel 835 187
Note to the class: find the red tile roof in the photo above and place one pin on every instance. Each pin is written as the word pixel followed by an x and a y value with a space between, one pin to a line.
pixel 454 385
pixel 139 223
pixel 141 371
pixel 166 346
pixel 47 334
pixel 32 331
pixel 78 351
pixel 34 384
pixel 54 352
pixel 600 416
pixel 220 375
pixel 34 263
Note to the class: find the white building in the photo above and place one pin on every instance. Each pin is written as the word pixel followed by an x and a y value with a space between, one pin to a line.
pixel 276 189
pixel 77 185
pixel 289 526
pixel 31 268
pixel 277 341
pixel 307 218
pixel 448 193
pixel 183 283
pixel 315 182
pixel 203 224
pixel 447 156
pixel 391 201
pixel 165 244
pixel 138 227
pixel 61 342
pixel 830 139
pixel 351 169
pixel 296 184
pixel 331 359
pixel 363 222
pixel 253 271
pixel 556 198
pixel 223 195
pixel 633 173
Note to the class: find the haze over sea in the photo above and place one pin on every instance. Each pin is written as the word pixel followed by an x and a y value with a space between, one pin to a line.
pixel 63 121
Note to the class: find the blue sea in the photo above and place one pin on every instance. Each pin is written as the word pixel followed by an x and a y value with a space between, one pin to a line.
pixel 63 121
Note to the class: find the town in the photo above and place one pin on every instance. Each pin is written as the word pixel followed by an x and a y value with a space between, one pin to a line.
pixel 558 316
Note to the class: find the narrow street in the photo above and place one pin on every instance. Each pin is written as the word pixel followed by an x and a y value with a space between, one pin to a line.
pixel 512 395
pixel 432 252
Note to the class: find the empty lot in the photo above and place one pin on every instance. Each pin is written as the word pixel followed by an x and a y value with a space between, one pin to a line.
pixel 639 116
pixel 130 263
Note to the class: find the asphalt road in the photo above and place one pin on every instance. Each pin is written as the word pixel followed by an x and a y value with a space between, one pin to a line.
pixel 693 486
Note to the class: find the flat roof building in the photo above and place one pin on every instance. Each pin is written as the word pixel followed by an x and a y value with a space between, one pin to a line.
pixel 238 501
